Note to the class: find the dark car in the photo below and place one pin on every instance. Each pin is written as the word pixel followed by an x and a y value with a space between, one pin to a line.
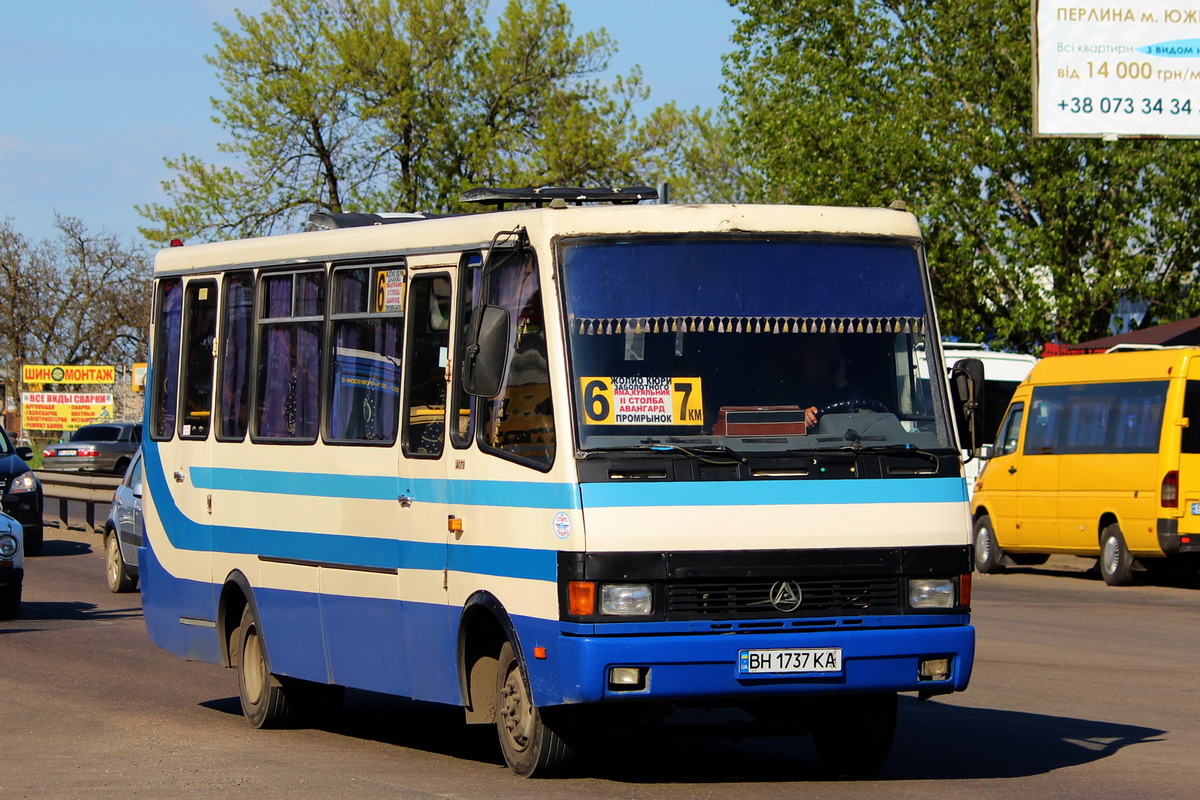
pixel 22 498
pixel 100 447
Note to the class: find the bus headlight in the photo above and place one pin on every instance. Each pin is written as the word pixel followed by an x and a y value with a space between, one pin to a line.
pixel 931 592
pixel 626 599
pixel 8 546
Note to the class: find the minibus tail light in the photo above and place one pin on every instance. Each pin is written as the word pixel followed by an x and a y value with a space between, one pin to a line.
pixel 1169 496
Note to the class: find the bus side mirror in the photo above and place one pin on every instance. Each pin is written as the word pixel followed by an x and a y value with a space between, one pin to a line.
pixel 487 356
pixel 985 451
pixel 24 453
pixel 966 388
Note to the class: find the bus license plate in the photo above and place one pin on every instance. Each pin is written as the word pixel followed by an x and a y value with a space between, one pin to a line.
pixel 1195 509
pixel 826 659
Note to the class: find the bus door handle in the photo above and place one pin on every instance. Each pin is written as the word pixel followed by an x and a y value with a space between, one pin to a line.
pixel 406 500
pixel 1012 470
pixel 178 476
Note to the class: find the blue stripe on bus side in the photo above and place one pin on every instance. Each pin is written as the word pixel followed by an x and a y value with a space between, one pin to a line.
pixel 348 549
pixel 506 494
pixel 773 493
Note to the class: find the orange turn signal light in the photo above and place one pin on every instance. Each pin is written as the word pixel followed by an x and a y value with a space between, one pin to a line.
pixel 581 598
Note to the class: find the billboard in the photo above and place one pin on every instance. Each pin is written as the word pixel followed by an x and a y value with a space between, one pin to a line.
pixel 63 411
pixel 1107 70
pixel 67 373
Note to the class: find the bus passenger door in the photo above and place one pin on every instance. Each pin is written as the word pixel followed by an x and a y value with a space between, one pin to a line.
pixel 194 451
pixel 425 493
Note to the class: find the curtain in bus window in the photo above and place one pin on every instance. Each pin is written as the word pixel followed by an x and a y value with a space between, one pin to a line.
pixel 166 379
pixel 235 359
pixel 365 392
pixel 520 419
pixel 812 283
pixel 290 366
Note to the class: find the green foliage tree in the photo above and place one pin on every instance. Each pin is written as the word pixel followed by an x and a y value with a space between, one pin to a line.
pixel 1030 239
pixel 369 105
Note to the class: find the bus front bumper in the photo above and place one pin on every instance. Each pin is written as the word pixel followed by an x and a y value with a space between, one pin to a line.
pixel 706 666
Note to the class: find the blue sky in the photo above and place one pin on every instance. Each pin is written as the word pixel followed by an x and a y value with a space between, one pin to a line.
pixel 96 94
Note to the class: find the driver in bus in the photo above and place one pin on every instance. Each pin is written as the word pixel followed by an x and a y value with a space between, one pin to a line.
pixel 822 379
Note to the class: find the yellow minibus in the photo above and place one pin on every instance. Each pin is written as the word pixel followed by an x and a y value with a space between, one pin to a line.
pixel 1098 456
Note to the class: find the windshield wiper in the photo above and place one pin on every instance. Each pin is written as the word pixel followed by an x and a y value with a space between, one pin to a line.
pixel 697 452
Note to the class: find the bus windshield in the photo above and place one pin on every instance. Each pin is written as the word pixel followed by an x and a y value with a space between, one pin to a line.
pixel 767 343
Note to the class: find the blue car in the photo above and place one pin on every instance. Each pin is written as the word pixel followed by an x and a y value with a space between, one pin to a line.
pixel 123 530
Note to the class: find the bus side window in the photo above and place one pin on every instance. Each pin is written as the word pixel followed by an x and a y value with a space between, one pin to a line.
pixel 425 369
pixel 237 340
pixel 200 328
pixel 291 324
pixel 519 421
pixel 364 392
pixel 166 358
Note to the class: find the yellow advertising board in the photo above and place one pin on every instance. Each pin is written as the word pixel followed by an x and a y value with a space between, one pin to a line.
pixel 68 373
pixel 63 411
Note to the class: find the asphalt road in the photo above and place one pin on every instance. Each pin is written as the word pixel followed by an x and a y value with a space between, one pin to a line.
pixel 1080 691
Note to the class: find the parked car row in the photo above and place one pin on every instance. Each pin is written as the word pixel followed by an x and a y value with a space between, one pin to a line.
pixel 93 448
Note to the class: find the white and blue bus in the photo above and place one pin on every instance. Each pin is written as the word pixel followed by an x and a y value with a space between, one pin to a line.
pixel 590 460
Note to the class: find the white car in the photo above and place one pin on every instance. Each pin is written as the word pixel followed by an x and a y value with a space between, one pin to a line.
pixel 12 566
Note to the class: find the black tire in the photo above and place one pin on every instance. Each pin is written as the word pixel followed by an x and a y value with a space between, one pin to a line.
pixel 33 541
pixel 854 733
pixel 264 701
pixel 1029 559
pixel 1116 563
pixel 120 467
pixel 118 577
pixel 532 744
pixel 987 550
pixel 10 602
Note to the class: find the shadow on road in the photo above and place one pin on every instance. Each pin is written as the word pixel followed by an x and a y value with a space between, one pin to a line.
pixel 934 741
pixel 63 547
pixel 1176 576
pixel 71 612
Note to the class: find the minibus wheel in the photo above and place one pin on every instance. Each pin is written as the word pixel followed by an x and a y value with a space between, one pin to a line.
pixel 1116 563
pixel 987 552
pixel 854 733
pixel 531 742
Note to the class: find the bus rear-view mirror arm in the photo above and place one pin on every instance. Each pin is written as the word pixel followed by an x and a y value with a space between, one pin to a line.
pixel 966 387
pixel 487 355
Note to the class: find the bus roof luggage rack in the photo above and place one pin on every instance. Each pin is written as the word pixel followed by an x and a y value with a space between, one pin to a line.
pixel 330 220
pixel 541 195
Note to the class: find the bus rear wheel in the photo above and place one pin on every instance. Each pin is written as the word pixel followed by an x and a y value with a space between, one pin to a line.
pixel 854 733
pixel 532 744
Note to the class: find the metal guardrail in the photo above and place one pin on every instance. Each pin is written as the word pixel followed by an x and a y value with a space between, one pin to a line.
pixel 75 487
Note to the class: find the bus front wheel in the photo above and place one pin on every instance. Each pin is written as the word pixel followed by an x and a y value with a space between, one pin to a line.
pixel 854 733
pixel 532 744
pixel 263 699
